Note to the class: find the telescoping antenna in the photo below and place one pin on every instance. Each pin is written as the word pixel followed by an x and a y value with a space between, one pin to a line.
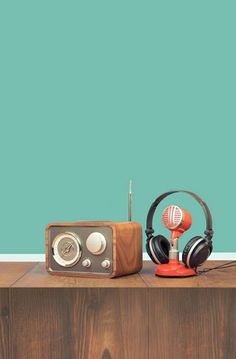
pixel 130 202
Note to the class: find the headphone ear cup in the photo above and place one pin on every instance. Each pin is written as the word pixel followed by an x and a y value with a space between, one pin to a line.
pixel 149 251
pixel 196 251
pixel 160 246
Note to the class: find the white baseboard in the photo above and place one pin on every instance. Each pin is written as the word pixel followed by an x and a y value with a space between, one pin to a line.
pixel 22 257
pixel 41 257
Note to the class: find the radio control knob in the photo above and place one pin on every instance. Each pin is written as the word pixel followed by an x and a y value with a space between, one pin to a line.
pixel 106 263
pixel 96 243
pixel 86 263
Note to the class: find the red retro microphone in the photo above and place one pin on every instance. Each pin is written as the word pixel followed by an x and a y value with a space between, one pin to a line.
pixel 177 220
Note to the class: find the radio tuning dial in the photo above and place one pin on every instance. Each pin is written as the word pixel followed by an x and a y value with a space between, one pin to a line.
pixel 96 243
pixel 106 263
pixel 66 249
pixel 86 263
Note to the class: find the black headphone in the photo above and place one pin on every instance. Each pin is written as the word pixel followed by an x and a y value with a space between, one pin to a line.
pixel 196 251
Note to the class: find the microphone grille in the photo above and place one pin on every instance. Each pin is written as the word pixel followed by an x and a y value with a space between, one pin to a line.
pixel 172 217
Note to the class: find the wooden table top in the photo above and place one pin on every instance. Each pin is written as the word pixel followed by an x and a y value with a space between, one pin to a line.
pixel 10 272
pixel 34 275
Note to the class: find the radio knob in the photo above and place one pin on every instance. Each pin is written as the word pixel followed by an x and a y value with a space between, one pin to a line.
pixel 106 263
pixel 86 263
pixel 96 243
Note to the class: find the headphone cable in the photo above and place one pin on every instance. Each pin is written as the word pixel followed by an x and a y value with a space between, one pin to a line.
pixel 221 266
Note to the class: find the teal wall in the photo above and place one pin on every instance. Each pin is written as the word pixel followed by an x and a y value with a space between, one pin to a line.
pixel 94 93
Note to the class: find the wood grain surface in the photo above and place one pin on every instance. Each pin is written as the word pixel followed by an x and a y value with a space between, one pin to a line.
pixel 127 248
pixel 4 323
pixel 220 278
pixel 11 271
pixel 137 316
pixel 38 277
pixel 191 323
pixel 79 323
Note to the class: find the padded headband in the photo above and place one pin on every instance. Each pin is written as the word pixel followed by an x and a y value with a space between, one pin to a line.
pixel 208 232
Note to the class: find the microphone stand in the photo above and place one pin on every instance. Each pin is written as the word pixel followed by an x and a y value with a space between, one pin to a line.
pixel 174 268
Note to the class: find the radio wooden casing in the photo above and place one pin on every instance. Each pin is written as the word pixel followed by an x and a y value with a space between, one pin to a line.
pixel 121 248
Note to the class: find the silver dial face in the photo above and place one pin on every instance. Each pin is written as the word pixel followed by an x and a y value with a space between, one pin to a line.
pixel 66 249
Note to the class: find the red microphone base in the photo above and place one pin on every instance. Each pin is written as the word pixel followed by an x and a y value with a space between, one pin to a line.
pixel 174 269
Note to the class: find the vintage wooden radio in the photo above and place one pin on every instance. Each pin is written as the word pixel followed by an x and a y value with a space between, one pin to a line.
pixel 94 249
pixel 108 249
